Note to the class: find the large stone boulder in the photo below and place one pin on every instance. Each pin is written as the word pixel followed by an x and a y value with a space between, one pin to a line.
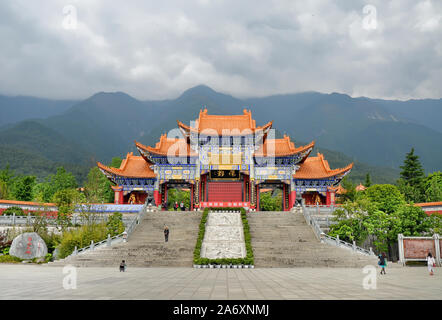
pixel 28 246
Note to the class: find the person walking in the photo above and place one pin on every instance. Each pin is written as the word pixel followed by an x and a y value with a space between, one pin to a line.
pixel 182 206
pixel 175 206
pixel 123 266
pixel 382 262
pixel 166 233
pixel 431 263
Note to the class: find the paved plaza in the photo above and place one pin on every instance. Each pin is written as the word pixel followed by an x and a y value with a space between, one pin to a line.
pixel 45 282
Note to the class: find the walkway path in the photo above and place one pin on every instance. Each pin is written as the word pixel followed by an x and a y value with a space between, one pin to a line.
pixel 42 282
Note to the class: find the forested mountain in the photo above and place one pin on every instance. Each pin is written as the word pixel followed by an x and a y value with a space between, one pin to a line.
pixel 15 109
pixel 375 134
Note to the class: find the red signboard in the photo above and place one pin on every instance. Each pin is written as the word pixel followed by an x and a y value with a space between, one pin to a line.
pixel 230 204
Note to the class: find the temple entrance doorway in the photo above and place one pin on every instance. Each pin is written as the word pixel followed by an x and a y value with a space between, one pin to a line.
pixel 179 196
pixel 272 196
pixel 314 198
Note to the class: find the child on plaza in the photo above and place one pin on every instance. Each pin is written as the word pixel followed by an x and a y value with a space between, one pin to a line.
pixel 431 263
pixel 382 262
pixel 123 266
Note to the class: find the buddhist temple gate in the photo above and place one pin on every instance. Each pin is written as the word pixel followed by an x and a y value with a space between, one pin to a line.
pixel 224 161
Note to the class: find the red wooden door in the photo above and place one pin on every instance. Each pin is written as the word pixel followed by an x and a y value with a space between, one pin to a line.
pixel 225 191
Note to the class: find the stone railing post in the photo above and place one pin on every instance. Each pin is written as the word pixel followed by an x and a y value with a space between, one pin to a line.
pixel 29 218
pixel 437 248
pixel 371 251
pixel 13 218
pixel 400 238
pixel 108 240
pixel 337 240
pixel 75 251
pixel 92 245
pixel 354 245
pixel 322 237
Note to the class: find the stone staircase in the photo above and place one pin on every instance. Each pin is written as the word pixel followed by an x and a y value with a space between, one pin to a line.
pixel 284 239
pixel 146 246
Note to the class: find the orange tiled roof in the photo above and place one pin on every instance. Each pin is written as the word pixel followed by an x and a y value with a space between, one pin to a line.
pixel 225 124
pixel 282 147
pixel 26 203
pixel 131 167
pixel 339 189
pixel 428 204
pixel 318 168
pixel 166 145
pixel 360 187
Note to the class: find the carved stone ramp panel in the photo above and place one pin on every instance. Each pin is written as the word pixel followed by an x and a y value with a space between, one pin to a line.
pixel 224 236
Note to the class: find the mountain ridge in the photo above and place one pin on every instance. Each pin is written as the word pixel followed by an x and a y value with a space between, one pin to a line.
pixel 106 124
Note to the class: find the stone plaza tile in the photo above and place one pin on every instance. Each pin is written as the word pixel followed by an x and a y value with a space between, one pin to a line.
pixel 41 282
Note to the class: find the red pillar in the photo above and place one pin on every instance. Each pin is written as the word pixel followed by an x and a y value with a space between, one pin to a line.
pixel 118 194
pixel 292 198
pixel 191 196
pixel 156 197
pixel 165 195
pixel 330 198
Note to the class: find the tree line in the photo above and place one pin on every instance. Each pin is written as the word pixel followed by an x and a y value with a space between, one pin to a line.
pixel 60 188
pixel 381 212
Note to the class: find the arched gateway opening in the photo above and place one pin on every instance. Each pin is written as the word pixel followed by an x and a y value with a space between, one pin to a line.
pixel 178 192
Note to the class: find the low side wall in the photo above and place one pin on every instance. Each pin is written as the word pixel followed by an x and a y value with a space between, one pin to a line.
pixel 417 248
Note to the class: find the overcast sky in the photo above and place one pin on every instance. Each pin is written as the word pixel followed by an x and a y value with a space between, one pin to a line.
pixel 157 49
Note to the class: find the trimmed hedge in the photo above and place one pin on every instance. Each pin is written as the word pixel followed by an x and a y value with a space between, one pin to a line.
pixel 248 260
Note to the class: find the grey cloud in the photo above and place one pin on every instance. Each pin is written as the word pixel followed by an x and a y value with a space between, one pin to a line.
pixel 154 50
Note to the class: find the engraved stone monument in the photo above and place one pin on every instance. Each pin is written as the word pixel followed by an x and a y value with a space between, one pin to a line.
pixel 28 246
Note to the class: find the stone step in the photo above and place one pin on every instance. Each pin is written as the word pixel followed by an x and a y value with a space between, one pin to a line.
pixel 146 246
pixel 285 240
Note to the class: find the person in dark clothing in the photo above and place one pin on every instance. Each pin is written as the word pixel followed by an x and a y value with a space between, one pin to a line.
pixel 382 262
pixel 182 206
pixel 166 234
pixel 123 266
pixel 175 206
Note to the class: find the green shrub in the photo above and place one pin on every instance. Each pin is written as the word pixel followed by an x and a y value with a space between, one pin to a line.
pixel 9 259
pixel 81 237
pixel 115 224
pixel 11 210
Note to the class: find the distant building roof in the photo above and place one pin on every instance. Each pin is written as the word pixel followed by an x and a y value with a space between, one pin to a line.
pixel 360 187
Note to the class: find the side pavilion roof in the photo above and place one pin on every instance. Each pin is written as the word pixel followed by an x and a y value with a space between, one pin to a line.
pixel 131 167
pixel 318 168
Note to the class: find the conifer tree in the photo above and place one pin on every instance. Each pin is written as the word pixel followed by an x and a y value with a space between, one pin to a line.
pixel 412 171
pixel 412 178
pixel 367 180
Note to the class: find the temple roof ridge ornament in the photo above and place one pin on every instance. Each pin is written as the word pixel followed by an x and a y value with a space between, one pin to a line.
pixel 211 124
